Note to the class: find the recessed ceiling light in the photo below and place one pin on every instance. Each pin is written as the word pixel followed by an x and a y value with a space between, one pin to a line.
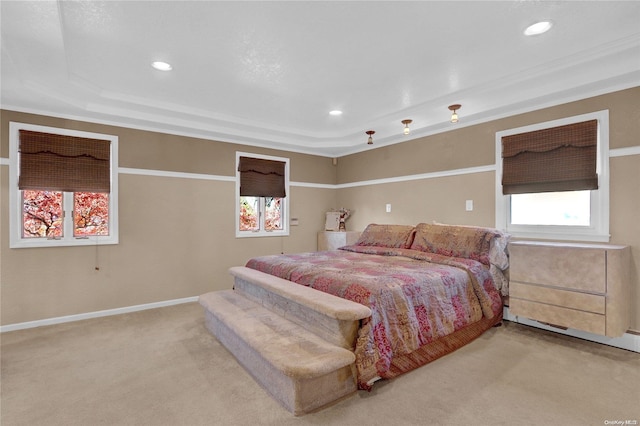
pixel 335 112
pixel 162 66
pixel 538 28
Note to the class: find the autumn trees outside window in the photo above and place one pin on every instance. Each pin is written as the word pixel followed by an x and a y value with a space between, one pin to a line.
pixel 262 184
pixel 63 187
pixel 43 214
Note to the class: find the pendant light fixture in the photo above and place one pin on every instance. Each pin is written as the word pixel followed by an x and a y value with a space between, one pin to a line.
pixel 454 115
pixel 370 140
pixel 406 123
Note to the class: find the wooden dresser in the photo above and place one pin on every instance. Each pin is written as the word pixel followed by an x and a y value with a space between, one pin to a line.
pixel 579 286
pixel 331 240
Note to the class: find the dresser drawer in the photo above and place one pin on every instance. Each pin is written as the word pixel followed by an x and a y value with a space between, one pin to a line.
pixel 571 318
pixel 573 268
pixel 569 299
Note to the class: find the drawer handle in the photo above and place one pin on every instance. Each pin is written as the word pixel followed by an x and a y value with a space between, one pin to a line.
pixel 554 325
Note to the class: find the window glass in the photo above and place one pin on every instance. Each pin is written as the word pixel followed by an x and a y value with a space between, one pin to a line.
pixel 249 213
pixel 42 214
pixel 568 208
pixel 273 213
pixel 90 213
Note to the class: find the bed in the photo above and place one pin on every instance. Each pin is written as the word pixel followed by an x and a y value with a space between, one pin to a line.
pixel 431 289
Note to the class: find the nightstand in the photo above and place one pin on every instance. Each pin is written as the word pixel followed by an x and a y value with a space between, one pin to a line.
pixel 332 240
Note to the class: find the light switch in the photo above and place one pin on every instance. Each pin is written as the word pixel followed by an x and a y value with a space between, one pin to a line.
pixel 469 205
pixel 388 208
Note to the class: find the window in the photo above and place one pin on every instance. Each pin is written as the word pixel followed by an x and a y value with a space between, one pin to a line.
pixel 552 179
pixel 262 184
pixel 63 187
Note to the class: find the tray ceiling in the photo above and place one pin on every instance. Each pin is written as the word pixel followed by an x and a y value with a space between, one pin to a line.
pixel 268 73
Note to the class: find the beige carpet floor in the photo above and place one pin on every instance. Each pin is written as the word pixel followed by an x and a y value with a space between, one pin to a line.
pixel 161 367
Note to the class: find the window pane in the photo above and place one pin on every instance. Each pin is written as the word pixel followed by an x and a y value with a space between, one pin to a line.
pixel 90 213
pixel 249 213
pixel 570 208
pixel 42 214
pixel 273 213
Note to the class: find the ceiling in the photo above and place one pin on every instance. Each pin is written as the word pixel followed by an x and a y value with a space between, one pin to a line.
pixel 268 73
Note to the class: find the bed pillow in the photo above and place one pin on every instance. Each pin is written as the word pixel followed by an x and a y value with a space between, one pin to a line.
pixel 498 249
pixel 456 241
pixel 394 236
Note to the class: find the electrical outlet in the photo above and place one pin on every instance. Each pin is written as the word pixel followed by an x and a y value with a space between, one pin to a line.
pixel 469 205
pixel 388 208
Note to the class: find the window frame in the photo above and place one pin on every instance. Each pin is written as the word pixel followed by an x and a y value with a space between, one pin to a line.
pixel 598 231
pixel 285 200
pixel 16 239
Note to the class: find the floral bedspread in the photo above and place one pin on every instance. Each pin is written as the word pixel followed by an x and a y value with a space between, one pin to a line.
pixel 415 297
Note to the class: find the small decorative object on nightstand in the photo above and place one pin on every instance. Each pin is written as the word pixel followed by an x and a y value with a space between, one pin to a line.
pixel 332 222
pixel 335 220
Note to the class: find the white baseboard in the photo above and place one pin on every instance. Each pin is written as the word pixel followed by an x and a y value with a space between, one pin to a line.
pixel 628 341
pixel 97 314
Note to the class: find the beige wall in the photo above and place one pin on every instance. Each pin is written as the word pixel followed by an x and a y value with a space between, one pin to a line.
pixel 177 235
